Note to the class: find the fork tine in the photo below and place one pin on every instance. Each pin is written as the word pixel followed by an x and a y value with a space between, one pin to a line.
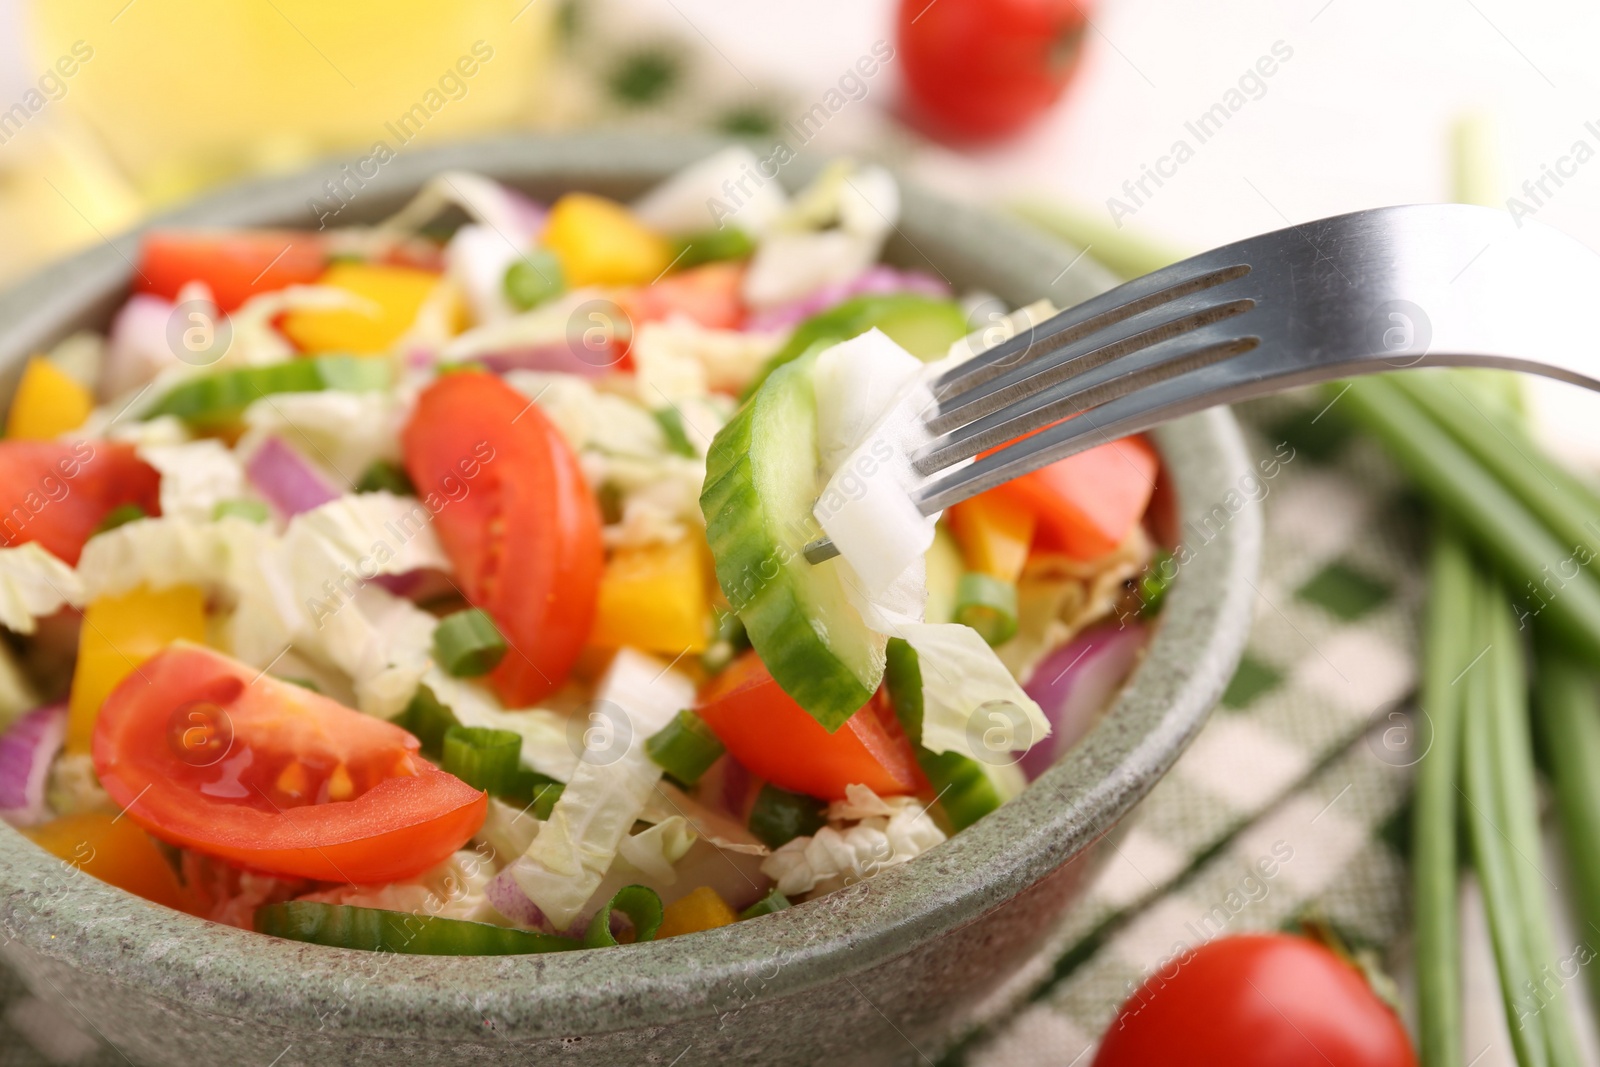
pixel 1126 415
pixel 1095 314
pixel 1170 358
pixel 1113 344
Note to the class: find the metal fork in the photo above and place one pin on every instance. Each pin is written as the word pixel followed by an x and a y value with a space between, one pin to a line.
pixel 1378 290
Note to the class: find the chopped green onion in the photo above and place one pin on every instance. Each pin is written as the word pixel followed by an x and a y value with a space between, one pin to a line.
pixel 251 510
pixel 544 791
pixel 988 605
pixel 728 640
pixel 120 515
pixel 484 758
pixel 219 397
pixel 773 901
pixel 1448 652
pixel 685 748
pixel 966 792
pixel 378 930
pixel 532 279
pixel 385 476
pixel 1154 584
pixel 780 816
pixel 642 906
pixel 708 246
pixel 303 683
pixel 429 720
pixel 467 643
pixel 670 419
pixel 462 366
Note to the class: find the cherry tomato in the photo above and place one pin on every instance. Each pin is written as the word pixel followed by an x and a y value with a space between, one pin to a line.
pixel 234 264
pixel 709 295
pixel 774 738
pixel 212 755
pixel 57 492
pixel 1256 1001
pixel 982 68
pixel 517 520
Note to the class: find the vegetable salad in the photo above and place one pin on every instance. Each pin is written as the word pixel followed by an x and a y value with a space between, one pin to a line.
pixel 437 586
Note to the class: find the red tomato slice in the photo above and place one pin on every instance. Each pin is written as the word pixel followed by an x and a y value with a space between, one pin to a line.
pixel 212 755
pixel 517 520
pixel 234 264
pixel 1256 1001
pixel 56 492
pixel 774 738
pixel 1087 504
pixel 709 295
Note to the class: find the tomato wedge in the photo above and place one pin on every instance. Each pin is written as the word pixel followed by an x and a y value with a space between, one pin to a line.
pixel 57 492
pixel 709 295
pixel 1087 504
pixel 774 738
pixel 517 520
pixel 209 754
pixel 235 265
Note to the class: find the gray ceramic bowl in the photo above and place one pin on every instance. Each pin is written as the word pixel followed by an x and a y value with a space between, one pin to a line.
pixel 885 971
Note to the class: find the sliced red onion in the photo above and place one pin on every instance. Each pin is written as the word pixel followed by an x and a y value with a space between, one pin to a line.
pixel 878 279
pixel 737 786
pixel 528 216
pixel 509 900
pixel 557 357
pixel 287 479
pixel 137 347
pixel 26 751
pixel 1075 683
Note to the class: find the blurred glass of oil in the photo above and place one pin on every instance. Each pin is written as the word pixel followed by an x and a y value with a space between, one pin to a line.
pixel 183 93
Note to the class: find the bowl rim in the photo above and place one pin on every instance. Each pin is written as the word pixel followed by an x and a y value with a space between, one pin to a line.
pixel 55 911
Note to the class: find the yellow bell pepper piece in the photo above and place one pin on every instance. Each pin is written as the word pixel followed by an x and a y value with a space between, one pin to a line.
pixel 47 404
pixel 394 295
pixel 599 242
pixel 994 533
pixel 118 634
pixel 700 910
pixel 115 850
pixel 654 599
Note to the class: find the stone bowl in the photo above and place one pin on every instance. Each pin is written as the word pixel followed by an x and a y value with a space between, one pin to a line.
pixel 889 970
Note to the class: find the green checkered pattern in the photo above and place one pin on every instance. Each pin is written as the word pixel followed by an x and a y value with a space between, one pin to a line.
pixel 1307 756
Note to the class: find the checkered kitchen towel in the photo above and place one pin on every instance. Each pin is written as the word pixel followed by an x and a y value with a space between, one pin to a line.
pixel 1305 766
pixel 1300 764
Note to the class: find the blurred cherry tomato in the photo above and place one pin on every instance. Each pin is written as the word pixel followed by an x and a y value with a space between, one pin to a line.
pixel 979 69
pixel 1256 1001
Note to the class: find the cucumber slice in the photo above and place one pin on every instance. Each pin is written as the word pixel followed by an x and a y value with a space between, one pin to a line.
pixel 968 789
pixel 921 325
pixel 945 567
pixel 761 484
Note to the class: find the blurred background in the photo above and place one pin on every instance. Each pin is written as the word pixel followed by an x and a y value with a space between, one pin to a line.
pixel 1156 128
pixel 179 95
